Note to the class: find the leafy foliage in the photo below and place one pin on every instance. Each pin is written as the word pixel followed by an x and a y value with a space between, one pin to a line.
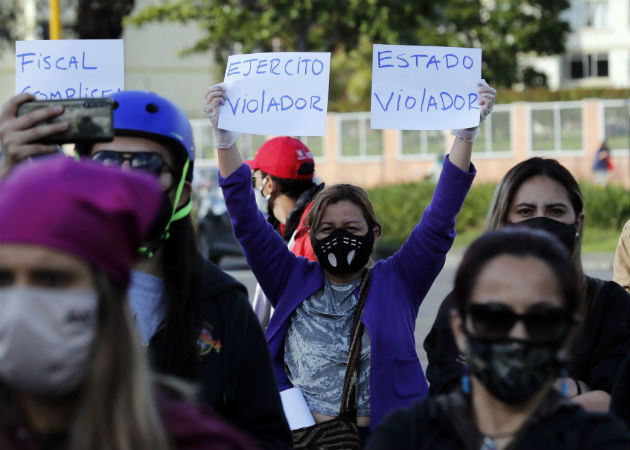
pixel 399 208
pixel 8 16
pixel 101 19
pixel 503 28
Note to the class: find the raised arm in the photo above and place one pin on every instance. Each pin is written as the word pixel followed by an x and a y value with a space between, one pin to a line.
pixel 422 257
pixel 224 140
pixel 267 255
pixel 462 147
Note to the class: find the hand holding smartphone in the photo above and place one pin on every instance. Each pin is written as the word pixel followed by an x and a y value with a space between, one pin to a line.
pixel 89 119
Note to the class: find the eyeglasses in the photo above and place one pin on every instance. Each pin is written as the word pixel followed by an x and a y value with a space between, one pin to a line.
pixel 542 322
pixel 148 161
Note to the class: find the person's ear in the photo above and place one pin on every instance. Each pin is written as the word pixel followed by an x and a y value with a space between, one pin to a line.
pixel 457 326
pixel 269 186
pixel 377 232
pixel 185 197
pixel 579 223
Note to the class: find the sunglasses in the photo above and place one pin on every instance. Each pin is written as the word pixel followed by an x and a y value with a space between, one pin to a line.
pixel 542 322
pixel 148 161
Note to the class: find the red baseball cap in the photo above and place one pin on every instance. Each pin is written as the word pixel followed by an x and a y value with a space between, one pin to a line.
pixel 284 157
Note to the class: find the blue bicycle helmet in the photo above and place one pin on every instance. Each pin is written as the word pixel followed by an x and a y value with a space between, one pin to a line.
pixel 146 114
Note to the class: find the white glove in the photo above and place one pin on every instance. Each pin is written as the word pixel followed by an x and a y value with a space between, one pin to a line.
pixel 487 97
pixel 214 98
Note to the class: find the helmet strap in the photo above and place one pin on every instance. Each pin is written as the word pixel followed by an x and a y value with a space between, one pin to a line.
pixel 176 214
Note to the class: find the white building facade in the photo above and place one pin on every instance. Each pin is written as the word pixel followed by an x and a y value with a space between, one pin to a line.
pixel 597 48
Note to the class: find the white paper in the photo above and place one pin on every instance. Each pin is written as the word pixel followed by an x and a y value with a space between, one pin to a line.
pixel 424 88
pixel 60 69
pixel 281 93
pixel 295 409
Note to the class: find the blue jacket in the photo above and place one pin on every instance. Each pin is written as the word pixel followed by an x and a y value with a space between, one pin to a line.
pixel 397 286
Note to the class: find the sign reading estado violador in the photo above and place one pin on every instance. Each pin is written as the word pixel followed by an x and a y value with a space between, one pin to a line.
pixel 424 88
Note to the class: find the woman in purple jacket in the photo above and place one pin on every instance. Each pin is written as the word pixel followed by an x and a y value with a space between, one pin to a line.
pixel 309 334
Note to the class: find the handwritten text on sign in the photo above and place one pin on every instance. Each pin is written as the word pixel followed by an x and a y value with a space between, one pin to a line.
pixel 276 94
pixel 424 88
pixel 61 69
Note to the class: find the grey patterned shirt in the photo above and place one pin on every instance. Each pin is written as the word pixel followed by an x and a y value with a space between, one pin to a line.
pixel 316 349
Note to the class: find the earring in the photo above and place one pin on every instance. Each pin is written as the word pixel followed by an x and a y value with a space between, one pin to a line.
pixel 466 381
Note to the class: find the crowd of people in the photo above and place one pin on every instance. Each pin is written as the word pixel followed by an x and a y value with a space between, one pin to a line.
pixel 116 333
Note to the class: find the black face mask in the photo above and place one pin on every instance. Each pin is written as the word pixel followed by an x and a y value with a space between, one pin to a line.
pixel 564 232
pixel 160 221
pixel 342 252
pixel 511 369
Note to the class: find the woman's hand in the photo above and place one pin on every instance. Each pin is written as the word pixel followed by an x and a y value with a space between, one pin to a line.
pixel 462 147
pixel 214 99
pixel 224 140
pixel 18 134
pixel 486 98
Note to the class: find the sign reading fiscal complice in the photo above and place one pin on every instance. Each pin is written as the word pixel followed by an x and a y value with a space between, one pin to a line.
pixel 424 88
pixel 276 93
pixel 61 69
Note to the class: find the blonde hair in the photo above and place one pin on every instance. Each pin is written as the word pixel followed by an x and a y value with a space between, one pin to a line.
pixel 116 409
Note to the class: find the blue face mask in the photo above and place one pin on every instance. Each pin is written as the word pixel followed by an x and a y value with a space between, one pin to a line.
pixel 342 252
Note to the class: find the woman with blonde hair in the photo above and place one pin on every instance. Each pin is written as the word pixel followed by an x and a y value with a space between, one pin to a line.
pixel 72 372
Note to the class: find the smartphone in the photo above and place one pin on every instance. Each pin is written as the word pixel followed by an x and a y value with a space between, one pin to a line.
pixel 89 119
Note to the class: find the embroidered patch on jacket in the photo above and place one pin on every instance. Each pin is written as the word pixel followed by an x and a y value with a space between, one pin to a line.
pixel 206 343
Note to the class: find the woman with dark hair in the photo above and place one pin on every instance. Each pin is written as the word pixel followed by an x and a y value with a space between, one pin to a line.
pixel 541 193
pixel 516 298
pixel 194 318
pixel 310 332
pixel 72 371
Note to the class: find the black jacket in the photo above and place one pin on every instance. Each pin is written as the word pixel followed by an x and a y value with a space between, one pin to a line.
pixel 233 367
pixel 444 423
pixel 595 355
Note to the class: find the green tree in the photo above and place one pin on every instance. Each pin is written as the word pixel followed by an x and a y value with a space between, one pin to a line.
pixel 503 28
pixel 8 18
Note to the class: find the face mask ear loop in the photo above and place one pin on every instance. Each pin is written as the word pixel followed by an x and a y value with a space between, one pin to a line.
pixel 175 215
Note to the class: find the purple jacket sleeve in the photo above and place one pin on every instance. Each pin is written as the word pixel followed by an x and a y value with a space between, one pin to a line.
pixel 265 251
pixel 422 256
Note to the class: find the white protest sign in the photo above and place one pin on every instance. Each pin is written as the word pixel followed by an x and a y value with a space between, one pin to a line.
pixel 61 69
pixel 276 93
pixel 424 88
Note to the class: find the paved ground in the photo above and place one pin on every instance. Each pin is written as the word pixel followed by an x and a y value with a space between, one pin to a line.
pixel 597 265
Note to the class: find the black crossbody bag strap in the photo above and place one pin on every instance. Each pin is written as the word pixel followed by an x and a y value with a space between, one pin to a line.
pixel 351 378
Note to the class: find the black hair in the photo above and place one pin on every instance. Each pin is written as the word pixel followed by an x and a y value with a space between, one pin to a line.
pixel 520 242
pixel 182 268
pixel 290 187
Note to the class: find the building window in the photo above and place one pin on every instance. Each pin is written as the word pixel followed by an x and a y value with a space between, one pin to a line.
pixel 587 66
pixel 588 13
pixel 422 143
pixel 315 144
pixel 496 135
pixel 556 128
pixel 358 140
pixel 617 123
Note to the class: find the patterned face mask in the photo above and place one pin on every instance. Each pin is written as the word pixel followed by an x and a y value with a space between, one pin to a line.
pixel 46 338
pixel 342 252
pixel 511 369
